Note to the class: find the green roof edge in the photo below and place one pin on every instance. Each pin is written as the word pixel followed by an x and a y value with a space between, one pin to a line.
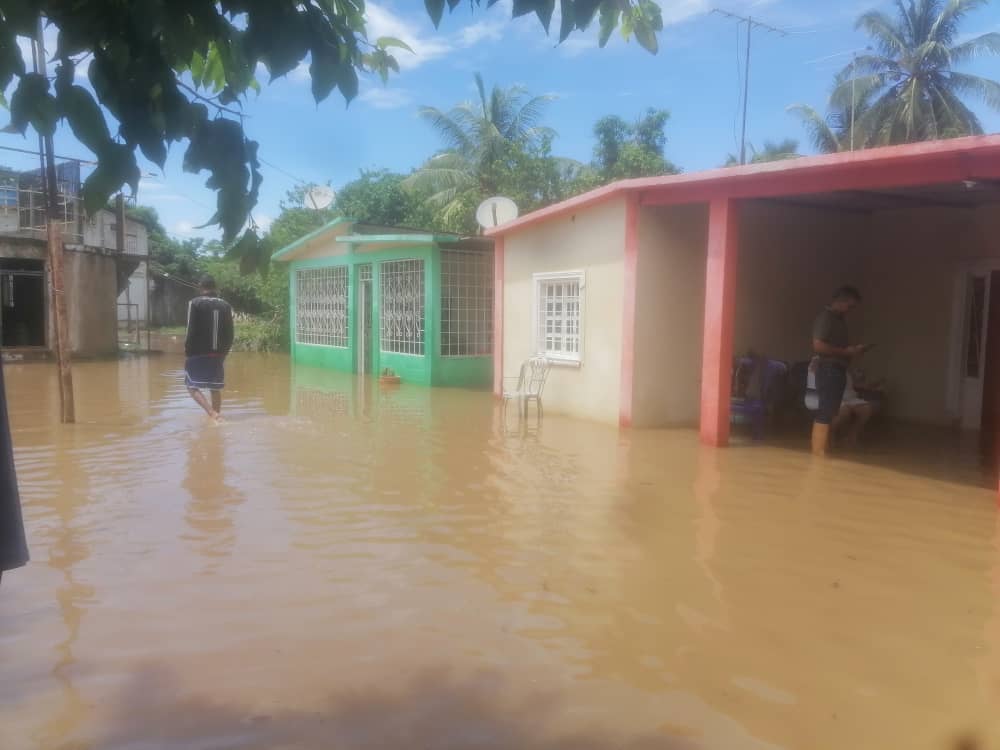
pixel 311 236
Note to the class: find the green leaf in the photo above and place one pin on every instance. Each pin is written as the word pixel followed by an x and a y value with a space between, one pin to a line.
pixel 85 118
pixel 198 69
pixel 435 9
pixel 385 42
pixel 116 166
pixel 647 39
pixel 568 11
pixel 32 104
pixel 323 72
pixel 347 80
pixel 609 21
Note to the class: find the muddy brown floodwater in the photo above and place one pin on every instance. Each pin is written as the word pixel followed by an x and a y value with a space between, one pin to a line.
pixel 338 567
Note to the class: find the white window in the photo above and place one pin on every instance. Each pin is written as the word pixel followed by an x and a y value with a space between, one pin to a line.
pixel 559 315
pixel 466 303
pixel 402 307
pixel 321 306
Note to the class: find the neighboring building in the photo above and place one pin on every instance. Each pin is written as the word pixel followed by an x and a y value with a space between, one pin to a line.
pixel 95 272
pixel 366 298
pixel 641 291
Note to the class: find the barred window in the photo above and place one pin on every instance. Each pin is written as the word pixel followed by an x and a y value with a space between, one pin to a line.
pixel 402 306
pixel 466 303
pixel 559 315
pixel 321 306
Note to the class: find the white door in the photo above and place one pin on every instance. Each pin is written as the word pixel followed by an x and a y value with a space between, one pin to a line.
pixel 973 361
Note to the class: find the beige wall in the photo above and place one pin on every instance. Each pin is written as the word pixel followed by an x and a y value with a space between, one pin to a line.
pixel 591 240
pixel 791 259
pixel 91 302
pixel 670 299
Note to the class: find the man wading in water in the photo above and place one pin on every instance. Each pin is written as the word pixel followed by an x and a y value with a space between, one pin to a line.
pixel 209 338
pixel 830 343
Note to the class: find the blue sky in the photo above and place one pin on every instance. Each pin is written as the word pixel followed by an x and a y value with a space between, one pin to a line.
pixel 695 76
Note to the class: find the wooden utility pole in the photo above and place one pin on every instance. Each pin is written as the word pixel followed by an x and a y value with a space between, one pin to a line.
pixel 57 290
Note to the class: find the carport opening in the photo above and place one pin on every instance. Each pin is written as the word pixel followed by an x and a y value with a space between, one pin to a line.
pixel 22 303
pixel 927 261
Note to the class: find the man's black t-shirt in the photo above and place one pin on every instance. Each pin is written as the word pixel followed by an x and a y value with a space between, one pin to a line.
pixel 209 328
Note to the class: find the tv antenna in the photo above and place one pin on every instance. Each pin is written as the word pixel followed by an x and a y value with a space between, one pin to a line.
pixel 495 211
pixel 752 24
pixel 319 197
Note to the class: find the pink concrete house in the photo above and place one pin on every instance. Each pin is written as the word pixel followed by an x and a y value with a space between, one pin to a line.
pixel 642 290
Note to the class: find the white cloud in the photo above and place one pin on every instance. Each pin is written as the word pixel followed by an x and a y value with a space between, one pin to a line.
pixel 487 30
pixel 386 98
pixel 383 22
pixel 184 227
pixel 263 221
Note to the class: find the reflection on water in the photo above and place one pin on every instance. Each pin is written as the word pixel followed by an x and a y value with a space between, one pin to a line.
pixel 339 566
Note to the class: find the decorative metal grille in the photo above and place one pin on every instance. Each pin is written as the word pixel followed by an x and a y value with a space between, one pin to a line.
pixel 321 306
pixel 466 303
pixel 559 318
pixel 402 306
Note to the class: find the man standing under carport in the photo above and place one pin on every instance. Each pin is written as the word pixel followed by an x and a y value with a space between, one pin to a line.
pixel 830 343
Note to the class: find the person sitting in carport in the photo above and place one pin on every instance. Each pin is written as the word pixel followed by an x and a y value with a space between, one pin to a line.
pixel 854 413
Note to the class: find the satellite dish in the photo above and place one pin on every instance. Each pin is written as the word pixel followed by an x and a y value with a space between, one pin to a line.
pixel 319 197
pixel 495 211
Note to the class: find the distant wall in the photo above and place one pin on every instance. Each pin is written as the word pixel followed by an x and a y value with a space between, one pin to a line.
pixel 791 259
pixel 591 240
pixel 168 301
pixel 915 261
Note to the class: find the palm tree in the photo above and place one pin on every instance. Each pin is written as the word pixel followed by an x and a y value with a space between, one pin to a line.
pixel 840 130
pixel 477 135
pixel 787 148
pixel 908 84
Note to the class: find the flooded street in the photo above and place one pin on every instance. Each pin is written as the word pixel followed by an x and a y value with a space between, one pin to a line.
pixel 341 567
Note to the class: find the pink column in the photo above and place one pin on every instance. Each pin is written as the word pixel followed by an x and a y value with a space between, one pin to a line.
pixel 498 316
pixel 720 312
pixel 628 310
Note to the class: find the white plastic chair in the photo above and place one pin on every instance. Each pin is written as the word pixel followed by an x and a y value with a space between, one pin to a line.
pixel 530 384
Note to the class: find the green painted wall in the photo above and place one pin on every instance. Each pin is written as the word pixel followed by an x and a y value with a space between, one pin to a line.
pixel 429 369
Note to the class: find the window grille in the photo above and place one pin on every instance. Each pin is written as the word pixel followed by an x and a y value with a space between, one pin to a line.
pixel 466 303
pixel 559 315
pixel 402 306
pixel 321 306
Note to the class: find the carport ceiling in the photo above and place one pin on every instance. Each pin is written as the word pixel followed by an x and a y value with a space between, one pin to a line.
pixel 953 195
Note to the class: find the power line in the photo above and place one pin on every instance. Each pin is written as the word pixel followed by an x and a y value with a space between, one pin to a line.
pixel 751 25
pixel 283 171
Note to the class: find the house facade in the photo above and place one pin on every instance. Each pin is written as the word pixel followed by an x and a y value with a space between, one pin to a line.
pixel 367 299
pixel 640 292
pixel 95 269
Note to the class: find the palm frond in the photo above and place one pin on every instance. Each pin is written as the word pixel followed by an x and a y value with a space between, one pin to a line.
pixel 481 88
pixel 945 25
pixel 985 89
pixel 886 34
pixel 819 130
pixel 526 119
pixel 980 46
pixel 450 130
pixel 954 117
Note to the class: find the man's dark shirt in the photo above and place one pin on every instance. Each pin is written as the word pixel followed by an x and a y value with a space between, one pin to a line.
pixel 209 328
pixel 831 328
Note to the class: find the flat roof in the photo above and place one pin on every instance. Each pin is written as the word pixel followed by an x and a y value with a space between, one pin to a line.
pixel 973 160
pixel 357 233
